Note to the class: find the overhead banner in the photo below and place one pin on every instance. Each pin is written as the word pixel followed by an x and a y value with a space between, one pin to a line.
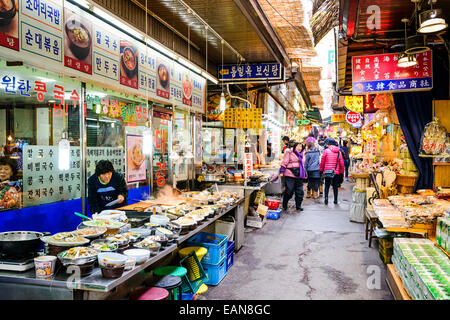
pixel 57 34
pixel 380 73
pixel 244 72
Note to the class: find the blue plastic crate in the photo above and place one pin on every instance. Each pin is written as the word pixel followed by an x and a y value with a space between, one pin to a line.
pixel 215 272
pixel 230 260
pixel 216 244
pixel 273 214
pixel 230 247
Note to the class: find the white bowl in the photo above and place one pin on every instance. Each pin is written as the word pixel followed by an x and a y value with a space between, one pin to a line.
pixel 141 255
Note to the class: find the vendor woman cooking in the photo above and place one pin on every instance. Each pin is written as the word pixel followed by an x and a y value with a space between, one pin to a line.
pixel 107 188
pixel 9 187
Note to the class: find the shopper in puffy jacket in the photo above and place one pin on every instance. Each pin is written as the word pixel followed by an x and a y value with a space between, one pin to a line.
pixel 332 160
pixel 312 165
pixel 293 171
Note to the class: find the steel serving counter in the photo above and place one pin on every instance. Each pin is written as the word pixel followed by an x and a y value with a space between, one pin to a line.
pixel 64 286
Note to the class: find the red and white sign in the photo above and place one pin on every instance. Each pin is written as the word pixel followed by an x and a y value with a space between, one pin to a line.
pixel 380 73
pixel 353 117
pixel 248 165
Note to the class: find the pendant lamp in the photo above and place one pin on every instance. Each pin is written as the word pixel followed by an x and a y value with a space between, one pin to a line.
pixel 432 20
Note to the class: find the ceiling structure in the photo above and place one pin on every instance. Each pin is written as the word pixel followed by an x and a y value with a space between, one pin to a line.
pixel 251 30
pixel 359 34
pixel 290 19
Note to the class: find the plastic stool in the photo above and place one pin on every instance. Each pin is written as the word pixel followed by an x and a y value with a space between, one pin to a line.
pixel 171 284
pixel 170 271
pixel 200 252
pixel 153 293
pixel 203 288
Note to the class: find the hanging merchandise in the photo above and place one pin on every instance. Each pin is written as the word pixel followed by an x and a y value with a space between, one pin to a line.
pixel 434 142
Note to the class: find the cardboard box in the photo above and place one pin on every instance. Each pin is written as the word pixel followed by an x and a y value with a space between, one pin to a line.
pixel 256 221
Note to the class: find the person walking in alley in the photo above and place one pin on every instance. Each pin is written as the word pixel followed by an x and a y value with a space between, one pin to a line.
pixel 312 165
pixel 346 155
pixel 332 168
pixel 293 171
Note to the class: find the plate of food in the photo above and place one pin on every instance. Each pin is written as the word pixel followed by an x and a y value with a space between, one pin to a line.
pixel 109 224
pixel 64 239
pixel 78 255
pixel 104 245
pixel 132 236
pixel 79 38
pixel 136 155
pixel 163 76
pixel 129 62
pixel 90 232
pixel 187 87
pixel 118 238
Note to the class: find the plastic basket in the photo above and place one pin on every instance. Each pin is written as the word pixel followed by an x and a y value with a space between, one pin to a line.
pixel 230 247
pixel 230 260
pixel 215 272
pixel 273 204
pixel 195 275
pixel 273 214
pixel 385 243
pixel 216 244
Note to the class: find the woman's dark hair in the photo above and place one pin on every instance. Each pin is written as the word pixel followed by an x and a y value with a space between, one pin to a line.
pixel 285 138
pixel 296 144
pixel 104 166
pixel 345 143
pixel 12 163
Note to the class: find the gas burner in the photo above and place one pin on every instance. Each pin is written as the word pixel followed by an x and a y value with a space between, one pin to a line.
pixel 17 263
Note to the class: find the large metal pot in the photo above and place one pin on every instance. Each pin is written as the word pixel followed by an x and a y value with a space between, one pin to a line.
pixel 19 243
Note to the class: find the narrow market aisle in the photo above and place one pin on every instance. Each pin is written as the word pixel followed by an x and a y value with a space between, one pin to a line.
pixel 316 254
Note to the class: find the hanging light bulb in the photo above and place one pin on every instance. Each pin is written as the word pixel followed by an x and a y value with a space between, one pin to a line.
pixel 386 120
pixel 432 21
pixel 147 141
pixel 222 102
pixel 406 60
pixel 64 153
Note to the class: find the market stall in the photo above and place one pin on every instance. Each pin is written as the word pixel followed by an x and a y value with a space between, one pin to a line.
pixel 85 248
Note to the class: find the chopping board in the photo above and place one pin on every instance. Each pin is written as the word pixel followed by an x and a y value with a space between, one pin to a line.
pixel 138 206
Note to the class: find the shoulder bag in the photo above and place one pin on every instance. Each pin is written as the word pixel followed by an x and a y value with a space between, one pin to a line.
pixel 332 172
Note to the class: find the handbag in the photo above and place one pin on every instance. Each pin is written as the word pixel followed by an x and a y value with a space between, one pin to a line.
pixel 295 171
pixel 331 173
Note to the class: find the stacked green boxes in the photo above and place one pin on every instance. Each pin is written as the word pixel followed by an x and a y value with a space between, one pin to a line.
pixel 442 233
pixel 423 268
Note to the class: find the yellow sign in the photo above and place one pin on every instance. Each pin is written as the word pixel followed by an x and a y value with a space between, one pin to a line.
pixel 338 118
pixel 250 118
pixel 354 103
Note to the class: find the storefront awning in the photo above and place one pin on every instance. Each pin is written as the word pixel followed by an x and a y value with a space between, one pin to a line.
pixel 324 18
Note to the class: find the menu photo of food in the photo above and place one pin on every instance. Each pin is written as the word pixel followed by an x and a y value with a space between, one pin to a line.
pixel 78 42
pixel 162 79
pixel 136 165
pixel 187 89
pixel 9 24
pixel 128 64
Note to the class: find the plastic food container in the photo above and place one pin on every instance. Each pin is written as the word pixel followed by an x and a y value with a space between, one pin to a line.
pixel 130 263
pixel 114 272
pixel 159 219
pixel 141 255
pixel 45 266
pixel 149 245
pixel 110 259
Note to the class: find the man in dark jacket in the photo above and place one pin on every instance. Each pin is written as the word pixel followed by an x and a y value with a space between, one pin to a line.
pixel 286 143
pixel 105 186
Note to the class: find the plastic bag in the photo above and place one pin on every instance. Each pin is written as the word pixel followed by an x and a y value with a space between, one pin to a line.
pixel 434 140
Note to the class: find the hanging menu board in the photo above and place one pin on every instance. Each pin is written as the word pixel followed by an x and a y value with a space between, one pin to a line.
pixel 57 34
pixel 113 154
pixel 43 182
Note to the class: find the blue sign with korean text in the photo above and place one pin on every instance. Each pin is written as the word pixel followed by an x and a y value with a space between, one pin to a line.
pixel 244 72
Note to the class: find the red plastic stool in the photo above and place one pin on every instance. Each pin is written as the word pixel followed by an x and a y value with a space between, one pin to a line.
pixel 153 293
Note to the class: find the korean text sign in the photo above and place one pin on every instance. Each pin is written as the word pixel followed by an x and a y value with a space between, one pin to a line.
pixel 380 73
pixel 261 71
